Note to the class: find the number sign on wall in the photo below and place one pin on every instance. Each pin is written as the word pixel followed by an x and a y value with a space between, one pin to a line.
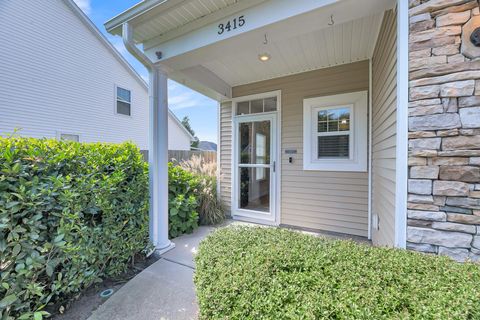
pixel 231 24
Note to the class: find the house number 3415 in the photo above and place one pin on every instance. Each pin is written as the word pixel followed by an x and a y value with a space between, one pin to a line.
pixel 231 25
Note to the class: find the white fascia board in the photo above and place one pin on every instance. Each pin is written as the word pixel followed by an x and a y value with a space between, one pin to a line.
pixel 209 79
pixel 259 16
pixel 203 86
pixel 114 25
pixel 202 22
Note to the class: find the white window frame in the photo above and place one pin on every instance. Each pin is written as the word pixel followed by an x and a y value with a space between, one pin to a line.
pixel 358 142
pixel 116 100
pixel 60 133
pixel 349 133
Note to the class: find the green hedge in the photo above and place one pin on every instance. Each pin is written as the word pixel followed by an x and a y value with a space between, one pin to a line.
pixel 182 201
pixel 70 214
pixel 267 273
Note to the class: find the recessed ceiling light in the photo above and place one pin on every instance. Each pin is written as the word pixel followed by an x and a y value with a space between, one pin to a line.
pixel 264 57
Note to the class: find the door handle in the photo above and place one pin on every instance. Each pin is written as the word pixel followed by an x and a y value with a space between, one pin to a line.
pixel 274 162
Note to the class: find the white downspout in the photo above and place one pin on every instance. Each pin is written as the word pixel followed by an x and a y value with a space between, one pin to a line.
pixel 158 145
pixel 370 148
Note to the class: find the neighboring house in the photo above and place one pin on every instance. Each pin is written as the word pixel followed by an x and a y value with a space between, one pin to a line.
pixel 61 78
pixel 178 136
pixel 322 125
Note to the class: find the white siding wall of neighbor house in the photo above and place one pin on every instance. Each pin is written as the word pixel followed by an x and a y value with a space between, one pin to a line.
pixel 177 138
pixel 332 201
pixel 384 64
pixel 225 154
pixel 57 77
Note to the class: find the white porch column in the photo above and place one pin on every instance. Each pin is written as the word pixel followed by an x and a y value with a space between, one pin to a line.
pixel 157 145
pixel 158 160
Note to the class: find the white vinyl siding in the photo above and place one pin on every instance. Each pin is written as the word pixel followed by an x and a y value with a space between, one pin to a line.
pixel 57 76
pixel 225 150
pixel 384 71
pixel 177 138
pixel 326 200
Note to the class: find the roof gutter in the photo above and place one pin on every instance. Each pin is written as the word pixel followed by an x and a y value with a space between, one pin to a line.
pixel 116 22
pixel 127 36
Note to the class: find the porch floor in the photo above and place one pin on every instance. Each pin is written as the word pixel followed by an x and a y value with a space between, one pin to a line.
pixel 165 290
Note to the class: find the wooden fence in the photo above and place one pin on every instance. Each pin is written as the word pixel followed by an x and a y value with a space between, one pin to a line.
pixel 179 155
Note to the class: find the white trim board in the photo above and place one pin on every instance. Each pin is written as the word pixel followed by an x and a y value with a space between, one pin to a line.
pixel 402 125
pixel 278 147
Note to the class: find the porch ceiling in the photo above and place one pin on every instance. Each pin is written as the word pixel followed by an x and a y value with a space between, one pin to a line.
pixel 340 44
pixel 299 35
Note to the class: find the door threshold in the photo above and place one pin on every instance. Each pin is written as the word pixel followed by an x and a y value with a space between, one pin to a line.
pixel 255 221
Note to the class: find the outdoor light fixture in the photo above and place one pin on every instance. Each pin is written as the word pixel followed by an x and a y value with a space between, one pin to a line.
pixel 264 57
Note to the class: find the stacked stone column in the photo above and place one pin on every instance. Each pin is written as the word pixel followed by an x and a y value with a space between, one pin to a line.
pixel 444 129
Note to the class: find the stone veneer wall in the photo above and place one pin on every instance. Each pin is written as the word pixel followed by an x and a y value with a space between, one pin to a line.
pixel 444 124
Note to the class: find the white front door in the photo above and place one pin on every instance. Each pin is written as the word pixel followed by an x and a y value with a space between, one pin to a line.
pixel 255 166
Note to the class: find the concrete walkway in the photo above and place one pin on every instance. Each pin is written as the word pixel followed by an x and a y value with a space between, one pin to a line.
pixel 163 291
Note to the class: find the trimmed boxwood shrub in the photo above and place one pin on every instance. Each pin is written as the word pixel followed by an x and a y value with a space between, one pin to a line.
pixel 268 273
pixel 70 213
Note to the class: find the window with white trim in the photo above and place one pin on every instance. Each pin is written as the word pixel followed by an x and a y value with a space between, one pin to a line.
pixel 335 132
pixel 123 101
pixel 69 137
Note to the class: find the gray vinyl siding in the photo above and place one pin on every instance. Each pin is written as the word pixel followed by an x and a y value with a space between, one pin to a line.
pixel 332 201
pixel 226 154
pixel 384 72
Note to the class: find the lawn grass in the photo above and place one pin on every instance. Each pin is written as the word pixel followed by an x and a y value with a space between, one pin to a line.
pixel 270 273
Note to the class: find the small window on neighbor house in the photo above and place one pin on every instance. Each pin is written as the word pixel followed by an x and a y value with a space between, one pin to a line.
pixel 124 101
pixel 69 137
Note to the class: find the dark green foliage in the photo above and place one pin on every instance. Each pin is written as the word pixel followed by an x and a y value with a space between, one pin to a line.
pixel 267 273
pixel 182 201
pixel 70 213
pixel 186 124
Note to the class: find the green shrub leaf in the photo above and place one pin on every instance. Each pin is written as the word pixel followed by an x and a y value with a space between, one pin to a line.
pixel 16 250
pixel 8 300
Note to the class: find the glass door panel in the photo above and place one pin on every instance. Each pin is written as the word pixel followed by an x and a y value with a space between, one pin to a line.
pixel 254 142
pixel 255 189
pixel 254 165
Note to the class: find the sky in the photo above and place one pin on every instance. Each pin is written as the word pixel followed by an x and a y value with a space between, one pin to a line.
pixel 183 101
